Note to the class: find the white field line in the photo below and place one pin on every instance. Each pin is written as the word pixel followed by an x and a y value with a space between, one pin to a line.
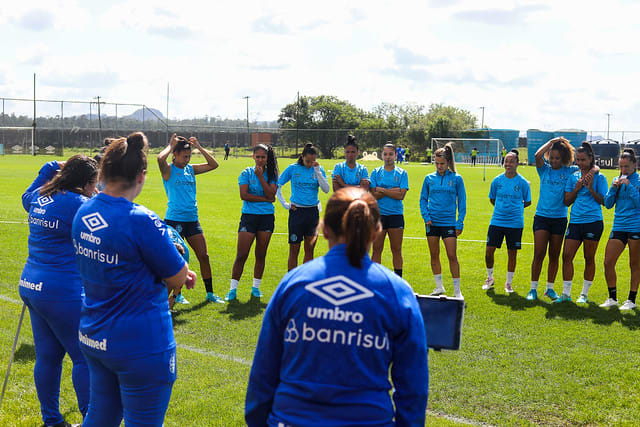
pixel 286 234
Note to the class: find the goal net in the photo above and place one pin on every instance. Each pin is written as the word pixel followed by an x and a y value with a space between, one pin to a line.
pixel 488 150
pixel 24 140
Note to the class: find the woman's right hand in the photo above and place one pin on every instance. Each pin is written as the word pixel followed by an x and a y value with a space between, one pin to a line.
pixel 190 281
pixel 174 141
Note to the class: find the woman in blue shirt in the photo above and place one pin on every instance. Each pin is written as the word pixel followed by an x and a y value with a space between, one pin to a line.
pixel 306 176
pixel 349 172
pixel 442 194
pixel 585 191
pixel 127 262
pixel 624 194
pixel 389 185
pixel 510 193
pixel 334 333
pixel 50 284
pixel 258 185
pixel 179 181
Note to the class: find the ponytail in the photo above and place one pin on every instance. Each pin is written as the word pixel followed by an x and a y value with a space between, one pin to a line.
pixel 586 148
pixel 308 149
pixel 516 153
pixel 351 142
pixel 125 159
pixel 272 162
pixel 77 172
pixel 629 154
pixel 353 213
pixel 447 153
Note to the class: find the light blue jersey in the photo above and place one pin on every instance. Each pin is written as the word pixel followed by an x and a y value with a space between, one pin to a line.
pixel 510 195
pixel 585 209
pixel 552 184
pixel 440 196
pixel 397 178
pixel 249 177
pixel 304 184
pixel 181 192
pixel 351 176
pixel 627 202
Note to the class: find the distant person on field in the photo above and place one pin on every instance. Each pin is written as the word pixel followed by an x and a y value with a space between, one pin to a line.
pixel 429 152
pixel 584 192
pixel 179 181
pixel 389 185
pixel 624 194
pixel 503 154
pixel 474 155
pixel 350 173
pixel 307 177
pixel 50 283
pixel 510 193
pixel 226 150
pixel 258 185
pixel 442 195
pixel 314 370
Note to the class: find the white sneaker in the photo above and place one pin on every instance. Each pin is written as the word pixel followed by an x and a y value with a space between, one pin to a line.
pixel 628 305
pixel 488 284
pixel 507 288
pixel 438 291
pixel 458 295
pixel 610 302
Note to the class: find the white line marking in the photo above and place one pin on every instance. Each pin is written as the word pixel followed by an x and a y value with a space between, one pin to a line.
pixel 214 354
pixel 11 300
pixel 13 222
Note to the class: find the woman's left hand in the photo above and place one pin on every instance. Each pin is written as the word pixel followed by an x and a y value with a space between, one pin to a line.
pixel 194 141
pixel 190 282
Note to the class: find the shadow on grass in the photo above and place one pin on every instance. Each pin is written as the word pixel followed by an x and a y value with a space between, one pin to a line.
pixel 239 311
pixel 570 310
pixel 177 313
pixel 25 353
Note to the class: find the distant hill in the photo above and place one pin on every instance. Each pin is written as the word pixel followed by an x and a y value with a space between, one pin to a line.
pixel 148 115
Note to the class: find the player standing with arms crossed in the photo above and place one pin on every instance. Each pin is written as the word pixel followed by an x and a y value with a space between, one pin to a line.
pixel 350 172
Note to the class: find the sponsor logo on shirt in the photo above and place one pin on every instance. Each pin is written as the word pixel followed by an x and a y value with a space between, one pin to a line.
pixel 29 285
pixel 90 342
pixel 44 200
pixel 43 222
pixel 90 238
pixel 95 254
pixel 339 290
pixel 172 363
pixel 94 222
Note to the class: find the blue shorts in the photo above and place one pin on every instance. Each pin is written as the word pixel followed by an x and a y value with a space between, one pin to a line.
pixel 625 236
pixel 392 221
pixel 445 231
pixel 303 222
pixel 586 231
pixel 137 388
pixel 252 223
pixel 496 234
pixel 185 228
pixel 552 225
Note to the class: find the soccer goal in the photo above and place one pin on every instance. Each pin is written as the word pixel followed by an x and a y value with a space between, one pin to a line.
pixel 16 140
pixel 488 151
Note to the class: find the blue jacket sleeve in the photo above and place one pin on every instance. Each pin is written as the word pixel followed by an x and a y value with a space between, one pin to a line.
pixel 410 371
pixel 424 200
pixel 634 195
pixel 265 371
pixel 492 190
pixel 462 203
pixel 610 197
pixel 47 172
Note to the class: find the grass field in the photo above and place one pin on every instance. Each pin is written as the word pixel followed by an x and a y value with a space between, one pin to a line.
pixel 521 362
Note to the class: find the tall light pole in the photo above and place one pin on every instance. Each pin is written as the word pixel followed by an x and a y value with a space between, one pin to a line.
pixel 608 121
pixel 248 133
pixel 482 123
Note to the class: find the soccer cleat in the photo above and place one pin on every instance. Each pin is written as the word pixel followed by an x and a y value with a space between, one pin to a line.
pixel 562 298
pixel 550 293
pixel 628 305
pixel 181 300
pixel 255 292
pixel 610 302
pixel 508 289
pixel 231 295
pixel 582 299
pixel 211 297
pixel 438 291
pixel 532 295
pixel 488 284
pixel 458 295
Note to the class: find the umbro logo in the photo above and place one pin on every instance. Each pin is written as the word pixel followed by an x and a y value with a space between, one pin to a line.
pixel 44 200
pixel 94 222
pixel 339 290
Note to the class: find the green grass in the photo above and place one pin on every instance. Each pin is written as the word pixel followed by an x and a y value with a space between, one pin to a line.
pixel 520 363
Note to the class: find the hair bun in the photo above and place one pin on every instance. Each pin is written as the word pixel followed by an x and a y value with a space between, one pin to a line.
pixel 308 145
pixel 135 141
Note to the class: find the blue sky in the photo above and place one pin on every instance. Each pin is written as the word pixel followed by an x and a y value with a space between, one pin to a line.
pixel 532 64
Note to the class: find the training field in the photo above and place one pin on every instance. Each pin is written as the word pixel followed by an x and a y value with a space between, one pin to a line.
pixel 521 362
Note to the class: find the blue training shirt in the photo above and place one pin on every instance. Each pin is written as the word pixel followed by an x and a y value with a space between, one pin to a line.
pixel 351 176
pixel 50 272
pixel 249 177
pixel 627 202
pixel 439 198
pixel 397 178
pixel 181 192
pixel 585 209
pixel 123 251
pixel 329 335
pixel 509 194
pixel 552 184
pixel 304 184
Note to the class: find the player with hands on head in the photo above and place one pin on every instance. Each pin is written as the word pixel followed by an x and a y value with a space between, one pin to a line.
pixel 443 194
pixel 182 207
